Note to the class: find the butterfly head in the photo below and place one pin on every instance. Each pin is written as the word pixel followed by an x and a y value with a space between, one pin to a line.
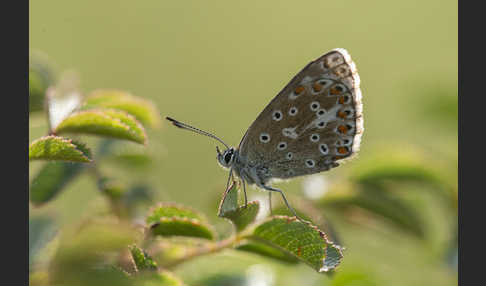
pixel 226 158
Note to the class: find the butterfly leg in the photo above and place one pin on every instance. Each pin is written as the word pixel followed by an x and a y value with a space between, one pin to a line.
pixel 284 198
pixel 270 202
pixel 229 178
pixel 244 191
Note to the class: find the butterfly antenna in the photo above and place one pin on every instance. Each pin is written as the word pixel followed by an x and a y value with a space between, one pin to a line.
pixel 194 129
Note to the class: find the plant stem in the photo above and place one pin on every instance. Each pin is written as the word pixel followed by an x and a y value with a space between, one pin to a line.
pixel 115 206
pixel 209 248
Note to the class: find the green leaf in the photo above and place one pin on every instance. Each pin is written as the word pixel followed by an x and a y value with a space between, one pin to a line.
pixel 304 241
pixel 229 202
pixel 142 260
pixel 174 220
pixel 142 109
pixel 282 209
pixel 170 210
pixel 243 216
pixel 58 148
pixel 128 120
pixel 240 216
pixel 51 179
pixel 104 122
pixel 311 214
pixel 182 227
pixel 267 251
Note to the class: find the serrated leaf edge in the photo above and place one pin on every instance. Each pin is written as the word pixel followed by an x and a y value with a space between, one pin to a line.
pixel 178 206
pixel 64 140
pixel 133 246
pixel 323 235
pixel 99 111
pixel 135 120
pixel 126 95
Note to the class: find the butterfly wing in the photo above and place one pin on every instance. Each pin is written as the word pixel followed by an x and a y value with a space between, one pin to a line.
pixel 314 122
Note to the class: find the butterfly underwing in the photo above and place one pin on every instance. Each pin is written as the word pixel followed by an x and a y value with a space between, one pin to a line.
pixel 311 125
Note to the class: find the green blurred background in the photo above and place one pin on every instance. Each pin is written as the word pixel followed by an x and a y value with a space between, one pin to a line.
pixel 216 64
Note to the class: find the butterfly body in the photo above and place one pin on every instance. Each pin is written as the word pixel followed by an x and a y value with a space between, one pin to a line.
pixel 251 172
pixel 312 124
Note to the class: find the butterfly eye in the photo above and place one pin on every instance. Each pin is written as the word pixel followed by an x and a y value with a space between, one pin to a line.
pixel 227 157
pixel 314 105
pixel 282 146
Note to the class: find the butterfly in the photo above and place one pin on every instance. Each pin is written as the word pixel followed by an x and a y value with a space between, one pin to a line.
pixel 312 124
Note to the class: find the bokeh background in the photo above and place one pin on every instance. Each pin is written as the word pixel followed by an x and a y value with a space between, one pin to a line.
pixel 216 64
